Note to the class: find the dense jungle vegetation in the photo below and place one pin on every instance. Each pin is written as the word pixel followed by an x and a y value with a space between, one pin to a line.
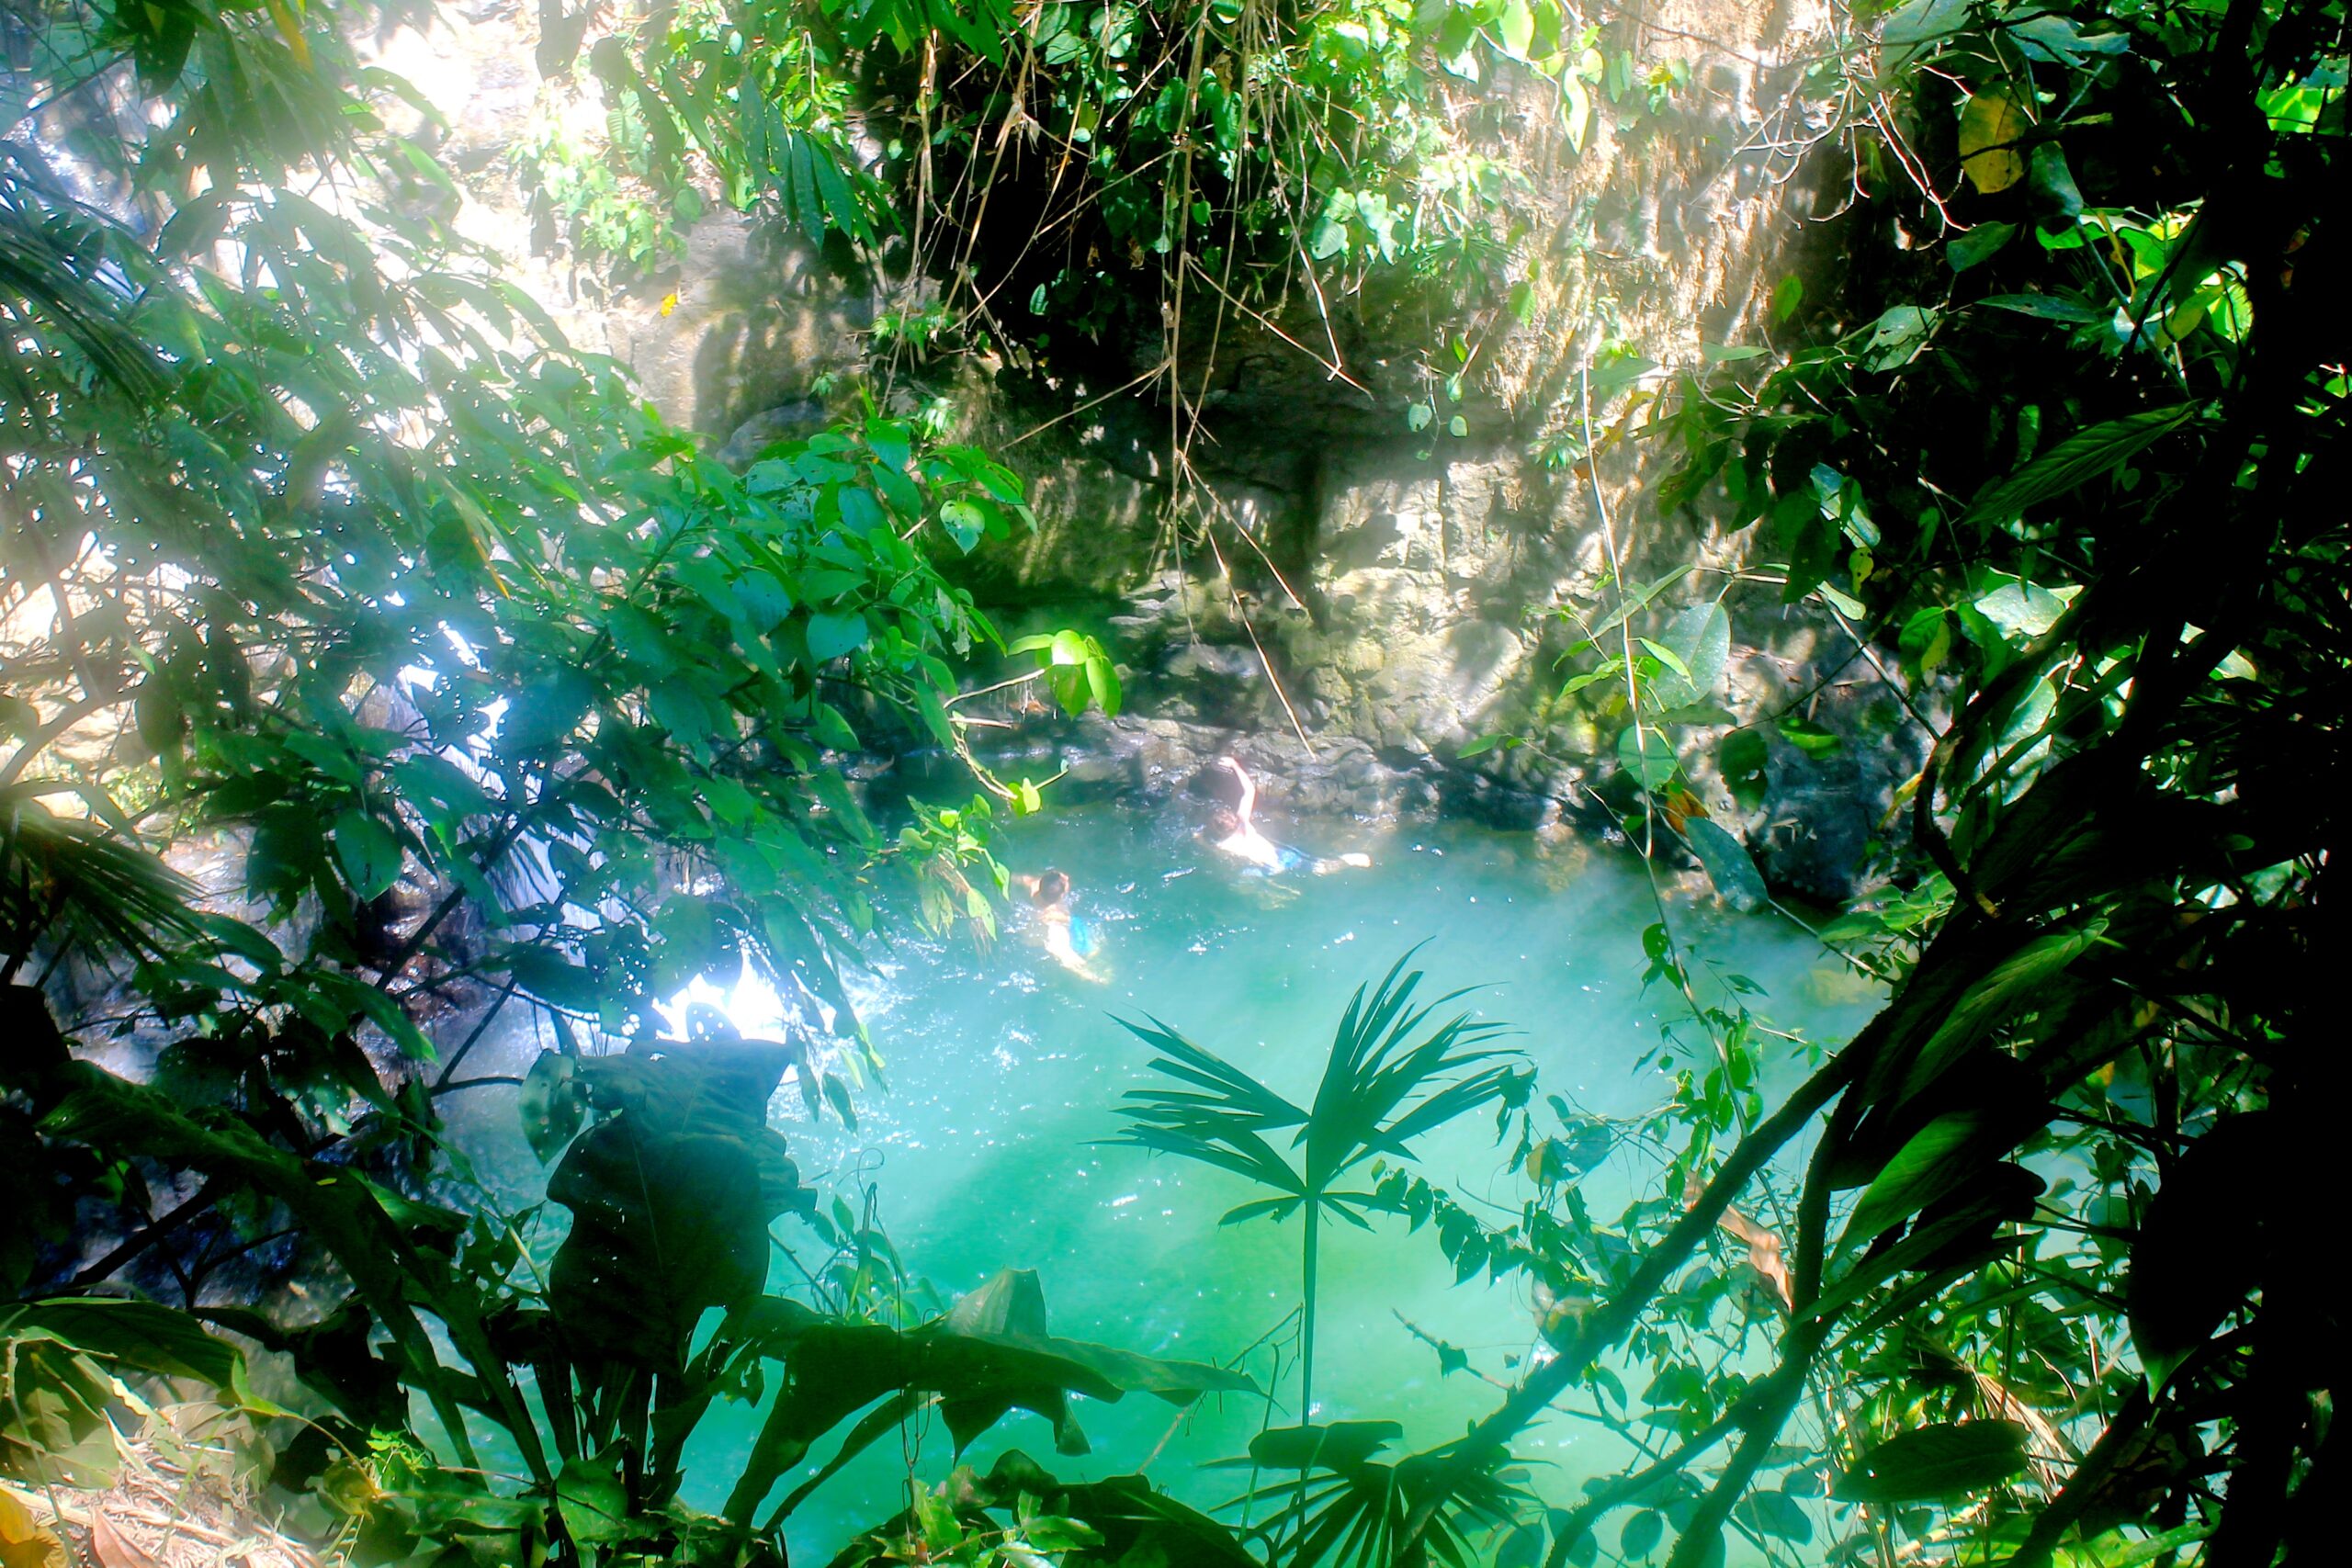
pixel 323 545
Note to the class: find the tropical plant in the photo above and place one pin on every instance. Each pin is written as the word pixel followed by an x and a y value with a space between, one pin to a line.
pixel 323 541
pixel 673 1178
pixel 2068 477
pixel 1353 1508
pixel 1392 1076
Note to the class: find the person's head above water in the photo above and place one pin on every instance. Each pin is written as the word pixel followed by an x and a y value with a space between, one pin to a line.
pixel 1219 780
pixel 1052 888
pixel 1223 822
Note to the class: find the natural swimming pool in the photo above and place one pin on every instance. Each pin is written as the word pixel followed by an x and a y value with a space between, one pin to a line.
pixel 1006 1075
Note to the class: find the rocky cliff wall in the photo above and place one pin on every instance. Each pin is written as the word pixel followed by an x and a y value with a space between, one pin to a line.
pixel 1341 598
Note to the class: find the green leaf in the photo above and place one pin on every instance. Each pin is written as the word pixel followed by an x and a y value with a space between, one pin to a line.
pixel 1774 1514
pixel 1102 682
pixel 990 1354
pixel 1641 1534
pixel 369 855
pixel 964 523
pixel 592 1499
pixel 1696 647
pixel 2075 461
pixel 142 1336
pixel 1991 126
pixel 1898 336
pixel 1934 1161
pixel 1666 657
pixel 548 1105
pixel 2017 979
pixel 831 635
pixel 671 1199
pixel 547 975
pixel 1979 246
pixel 2050 308
pixel 1340 1445
pixel 1742 757
pixel 1944 1461
pixel 2023 610
pixel 546 711
pixel 1787 295
pixel 1809 737
pixel 1647 755
pixel 2049 185
pixel 1728 865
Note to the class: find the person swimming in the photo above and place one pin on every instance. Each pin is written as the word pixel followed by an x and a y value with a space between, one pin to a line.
pixel 1068 939
pixel 1233 830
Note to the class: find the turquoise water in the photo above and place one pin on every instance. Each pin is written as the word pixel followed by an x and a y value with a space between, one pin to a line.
pixel 1006 1073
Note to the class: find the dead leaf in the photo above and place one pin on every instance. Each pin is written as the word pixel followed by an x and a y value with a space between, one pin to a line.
pixel 1766 1256
pixel 24 1543
pixel 113 1550
pixel 1990 128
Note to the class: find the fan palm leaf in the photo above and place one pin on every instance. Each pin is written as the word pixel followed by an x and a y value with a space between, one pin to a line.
pixel 61 875
pixel 1355 1509
pixel 1391 1075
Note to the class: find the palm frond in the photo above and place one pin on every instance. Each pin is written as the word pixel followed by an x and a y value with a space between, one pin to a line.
pixel 1234 1149
pixel 1229 1086
pixel 1356 1510
pixel 60 875
pixel 45 283
pixel 1377 1067
pixel 1391 1075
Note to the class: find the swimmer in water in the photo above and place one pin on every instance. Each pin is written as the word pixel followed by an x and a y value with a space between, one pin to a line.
pixel 1067 941
pixel 1234 831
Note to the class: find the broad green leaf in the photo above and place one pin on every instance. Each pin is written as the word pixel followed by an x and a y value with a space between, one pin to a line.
pixel 1979 246
pixel 965 523
pixel 369 855
pixel 1729 865
pixel 1936 1159
pixel 548 1105
pixel 592 1499
pixel 1774 1514
pixel 547 710
pixel 833 635
pixel 1898 336
pixel 2049 307
pixel 1641 1534
pixel 2023 610
pixel 1338 1446
pixel 142 1336
pixel 1700 635
pixel 1742 757
pixel 671 1199
pixel 547 975
pixel 1991 127
pixel 1647 755
pixel 1948 1459
pixel 2017 979
pixel 1666 657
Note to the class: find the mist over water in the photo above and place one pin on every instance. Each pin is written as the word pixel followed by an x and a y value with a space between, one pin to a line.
pixel 1005 1075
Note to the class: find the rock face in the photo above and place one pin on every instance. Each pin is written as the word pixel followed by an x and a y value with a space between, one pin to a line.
pixel 1344 593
